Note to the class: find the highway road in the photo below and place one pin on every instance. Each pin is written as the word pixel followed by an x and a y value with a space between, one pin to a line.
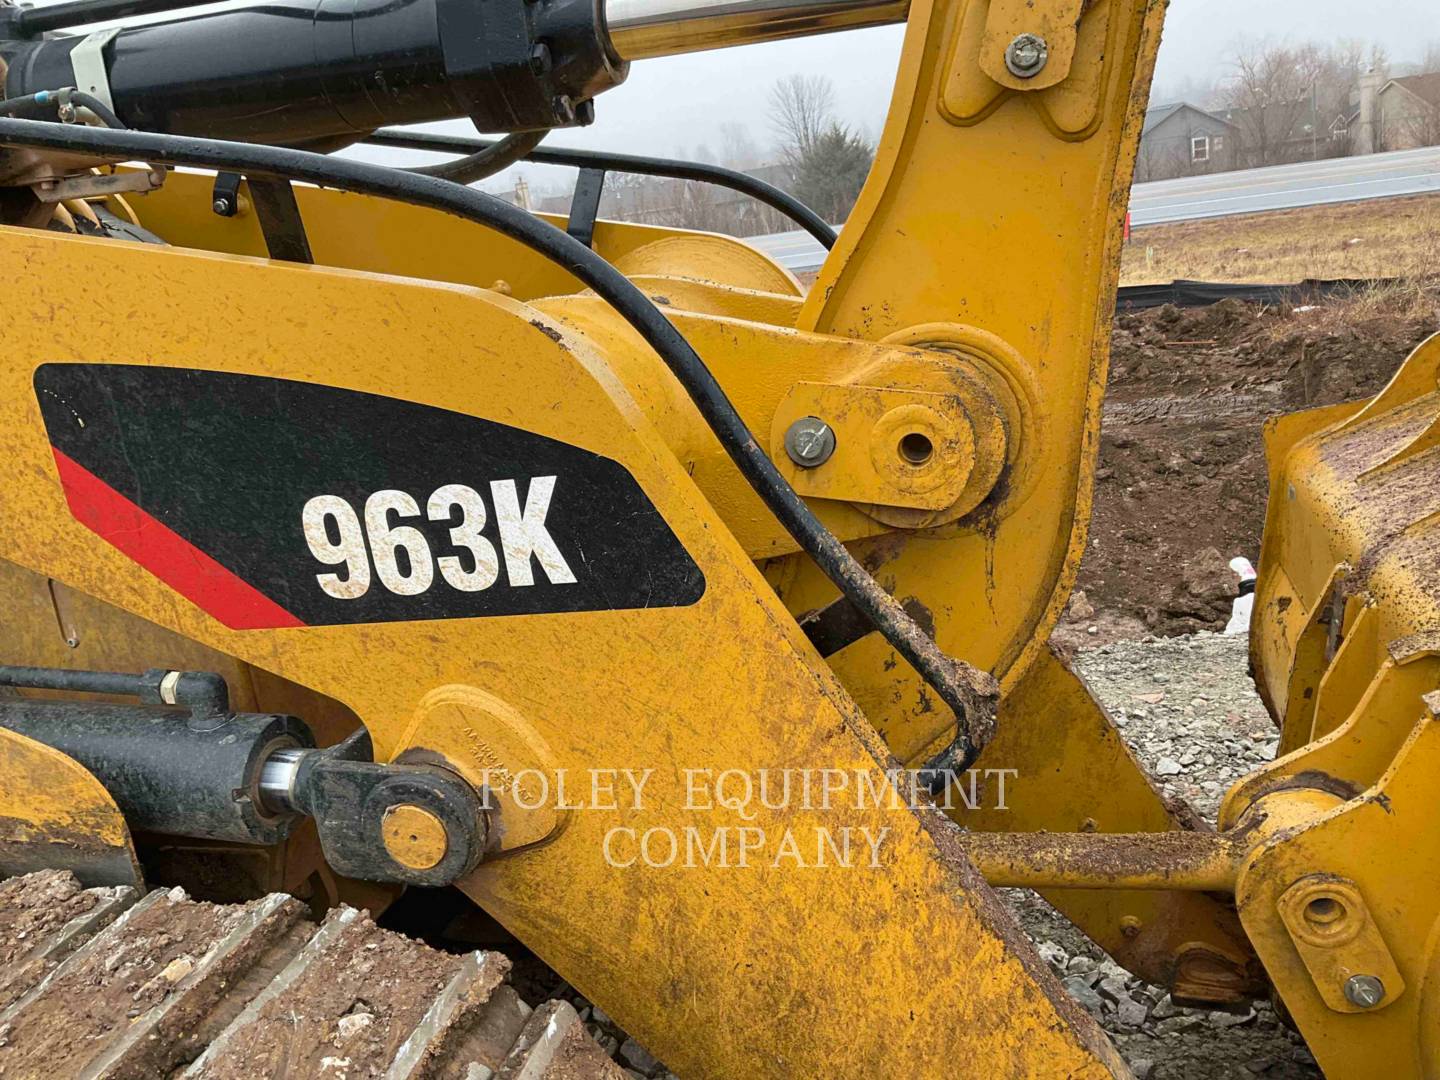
pixel 1249 191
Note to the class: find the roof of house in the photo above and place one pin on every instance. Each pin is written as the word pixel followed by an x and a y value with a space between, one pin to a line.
pixel 1158 114
pixel 1426 87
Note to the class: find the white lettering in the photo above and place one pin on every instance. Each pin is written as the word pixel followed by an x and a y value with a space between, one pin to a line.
pixel 524 534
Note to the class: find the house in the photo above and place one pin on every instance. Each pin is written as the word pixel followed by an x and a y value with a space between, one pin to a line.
pixel 1180 139
pixel 1408 112
pixel 1339 132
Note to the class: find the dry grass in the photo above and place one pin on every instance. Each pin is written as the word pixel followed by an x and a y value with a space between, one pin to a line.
pixel 1414 301
pixel 1380 238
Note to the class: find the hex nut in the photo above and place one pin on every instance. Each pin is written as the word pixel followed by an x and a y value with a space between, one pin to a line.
pixel 809 442
pixel 1364 991
pixel 1025 57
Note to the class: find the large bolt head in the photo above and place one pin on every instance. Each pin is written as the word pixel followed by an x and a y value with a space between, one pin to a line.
pixel 1026 56
pixel 810 441
pixel 1366 991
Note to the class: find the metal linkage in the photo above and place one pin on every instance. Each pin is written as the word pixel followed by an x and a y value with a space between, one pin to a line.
pixel 248 778
pixel 636 164
pixel 280 221
pixel 968 692
pixel 585 205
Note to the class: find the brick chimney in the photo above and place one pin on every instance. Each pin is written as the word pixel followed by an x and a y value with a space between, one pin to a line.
pixel 1366 135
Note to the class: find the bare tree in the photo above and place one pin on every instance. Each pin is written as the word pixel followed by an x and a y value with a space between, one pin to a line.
pixel 800 112
pixel 1271 95
pixel 737 147
pixel 817 151
pixel 1350 58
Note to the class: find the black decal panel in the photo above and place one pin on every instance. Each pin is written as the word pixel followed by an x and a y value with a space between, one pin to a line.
pixel 336 506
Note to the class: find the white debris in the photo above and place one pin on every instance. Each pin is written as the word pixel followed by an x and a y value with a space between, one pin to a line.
pixel 350 1026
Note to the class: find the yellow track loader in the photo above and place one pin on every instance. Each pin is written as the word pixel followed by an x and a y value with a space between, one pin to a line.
pixel 364 533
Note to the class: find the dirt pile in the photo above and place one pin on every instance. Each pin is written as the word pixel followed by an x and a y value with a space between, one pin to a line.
pixel 1181 479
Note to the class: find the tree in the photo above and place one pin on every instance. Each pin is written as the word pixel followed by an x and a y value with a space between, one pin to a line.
pixel 831 173
pixel 828 160
pixel 737 148
pixel 1271 95
pixel 801 108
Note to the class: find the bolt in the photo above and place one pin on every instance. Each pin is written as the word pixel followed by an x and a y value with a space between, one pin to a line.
pixel 810 442
pixel 1366 991
pixel 540 61
pixel 221 206
pixel 564 109
pixel 585 113
pixel 1026 56
pixel 1130 926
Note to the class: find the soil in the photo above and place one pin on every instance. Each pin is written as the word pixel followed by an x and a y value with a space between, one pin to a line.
pixel 1182 465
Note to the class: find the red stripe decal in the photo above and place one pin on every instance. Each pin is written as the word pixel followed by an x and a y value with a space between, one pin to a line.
pixel 166 554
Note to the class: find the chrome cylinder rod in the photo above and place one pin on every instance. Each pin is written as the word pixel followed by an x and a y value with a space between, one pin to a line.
pixel 277 779
pixel 640 29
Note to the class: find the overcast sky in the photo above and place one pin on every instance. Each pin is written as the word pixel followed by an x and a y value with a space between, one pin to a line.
pixel 673 105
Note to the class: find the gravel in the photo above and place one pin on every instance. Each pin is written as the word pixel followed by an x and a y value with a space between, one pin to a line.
pixel 1188 709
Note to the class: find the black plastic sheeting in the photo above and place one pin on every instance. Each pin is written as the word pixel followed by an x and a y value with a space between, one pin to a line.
pixel 1205 293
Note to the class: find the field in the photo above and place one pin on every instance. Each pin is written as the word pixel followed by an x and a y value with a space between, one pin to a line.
pixel 1372 239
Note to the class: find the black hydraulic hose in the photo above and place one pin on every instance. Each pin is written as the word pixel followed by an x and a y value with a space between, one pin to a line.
pixel 45 102
pixel 964 689
pixel 203 690
pixel 640 165
pixel 29 105
pixel 487 162
pixel 118 684
pixel 99 108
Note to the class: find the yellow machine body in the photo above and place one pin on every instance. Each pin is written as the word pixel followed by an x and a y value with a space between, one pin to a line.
pixel 957 342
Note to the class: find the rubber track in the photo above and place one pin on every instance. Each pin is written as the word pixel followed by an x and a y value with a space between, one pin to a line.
pixel 112 983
